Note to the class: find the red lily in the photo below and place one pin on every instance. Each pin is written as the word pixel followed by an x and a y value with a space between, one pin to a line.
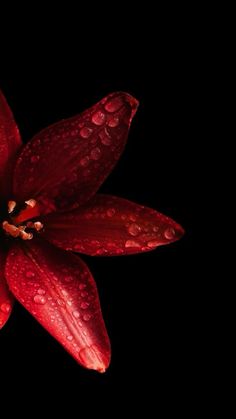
pixel 48 198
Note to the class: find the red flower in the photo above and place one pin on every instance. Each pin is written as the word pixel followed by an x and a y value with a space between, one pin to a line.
pixel 48 208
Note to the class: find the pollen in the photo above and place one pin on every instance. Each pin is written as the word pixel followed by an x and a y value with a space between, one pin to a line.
pixel 11 206
pixel 17 224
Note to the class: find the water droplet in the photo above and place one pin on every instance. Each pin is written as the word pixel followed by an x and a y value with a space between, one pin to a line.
pixel 34 159
pixel 95 153
pixel 111 212
pixel 41 291
pixel 153 243
pixel 60 302
pixel 87 317
pixel 98 118
pixel 131 243
pixel 39 299
pixel 69 337
pixel 85 132
pixel 113 122
pixel 105 137
pixel 84 161
pixel 5 308
pixel 169 233
pixel 68 278
pixel 113 105
pixel 155 229
pixel 76 314
pixel 132 217
pixel 82 286
pixel 84 305
pixel 134 229
pixel 30 274
pixel 84 294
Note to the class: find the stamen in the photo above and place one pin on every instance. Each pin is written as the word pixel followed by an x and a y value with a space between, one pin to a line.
pixel 38 226
pixel 10 229
pixel 31 203
pixel 26 236
pixel 11 206
pixel 15 227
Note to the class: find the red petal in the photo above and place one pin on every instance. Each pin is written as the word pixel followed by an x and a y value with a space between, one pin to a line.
pixel 6 298
pixel 9 144
pixel 64 165
pixel 108 225
pixel 57 288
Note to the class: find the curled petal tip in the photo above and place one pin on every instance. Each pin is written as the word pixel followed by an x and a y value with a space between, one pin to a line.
pixel 179 232
pixel 133 102
pixel 92 358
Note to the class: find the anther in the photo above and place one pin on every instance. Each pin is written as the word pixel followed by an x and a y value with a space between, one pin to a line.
pixel 31 203
pixel 11 206
pixel 10 229
pixel 26 236
pixel 38 226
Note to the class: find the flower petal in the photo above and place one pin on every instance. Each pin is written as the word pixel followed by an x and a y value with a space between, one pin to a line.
pixel 6 298
pixel 57 288
pixel 108 225
pixel 9 144
pixel 64 165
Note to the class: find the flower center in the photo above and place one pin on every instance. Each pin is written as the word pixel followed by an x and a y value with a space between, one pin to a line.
pixel 18 222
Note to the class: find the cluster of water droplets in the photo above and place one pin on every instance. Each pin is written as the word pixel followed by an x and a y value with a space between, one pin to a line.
pixel 66 302
pixel 87 140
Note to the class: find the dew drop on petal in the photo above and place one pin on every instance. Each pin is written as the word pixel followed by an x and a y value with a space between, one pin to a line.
pixel 84 162
pixel 155 229
pixel 34 159
pixel 39 299
pixel 169 233
pixel 113 105
pixel 76 314
pixel 131 243
pixel 68 278
pixel 30 274
pixel 60 302
pixel 95 153
pixel 5 308
pixel 113 122
pixel 87 317
pixel 41 291
pixel 98 118
pixel 134 229
pixel 86 132
pixel 82 286
pixel 84 305
pixel 111 212
pixel 153 243
pixel 105 138
pixel 70 338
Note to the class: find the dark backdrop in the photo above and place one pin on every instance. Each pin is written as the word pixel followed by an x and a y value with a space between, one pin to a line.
pixel 147 300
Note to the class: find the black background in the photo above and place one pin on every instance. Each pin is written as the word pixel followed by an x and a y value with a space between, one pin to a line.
pixel 147 300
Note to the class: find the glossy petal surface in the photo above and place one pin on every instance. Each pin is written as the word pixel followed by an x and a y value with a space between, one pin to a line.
pixel 108 225
pixel 6 298
pixel 9 144
pixel 64 165
pixel 59 291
